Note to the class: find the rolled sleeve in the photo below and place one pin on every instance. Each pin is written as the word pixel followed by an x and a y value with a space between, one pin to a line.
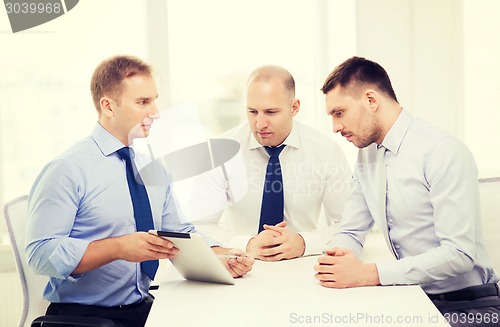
pixel 66 257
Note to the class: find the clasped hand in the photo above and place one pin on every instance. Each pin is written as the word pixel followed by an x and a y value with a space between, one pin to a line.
pixel 276 243
pixel 340 268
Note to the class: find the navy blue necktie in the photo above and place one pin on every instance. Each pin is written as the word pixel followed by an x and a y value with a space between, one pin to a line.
pixel 142 209
pixel 273 207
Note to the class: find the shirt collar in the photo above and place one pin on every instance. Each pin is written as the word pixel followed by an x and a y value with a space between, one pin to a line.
pixel 106 142
pixel 292 139
pixel 393 139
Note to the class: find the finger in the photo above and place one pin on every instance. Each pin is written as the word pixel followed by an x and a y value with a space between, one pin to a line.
pixel 323 269
pixel 336 251
pixel 272 242
pixel 159 241
pixel 276 228
pixel 270 233
pixel 237 269
pixel 325 277
pixel 246 260
pixel 330 284
pixel 281 224
pixel 274 257
pixel 326 260
pixel 271 251
pixel 163 249
pixel 240 267
pixel 282 246
pixel 162 253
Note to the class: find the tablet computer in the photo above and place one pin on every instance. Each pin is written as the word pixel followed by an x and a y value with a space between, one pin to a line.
pixel 196 260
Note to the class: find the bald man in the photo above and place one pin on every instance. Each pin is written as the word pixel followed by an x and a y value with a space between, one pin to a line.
pixel 314 174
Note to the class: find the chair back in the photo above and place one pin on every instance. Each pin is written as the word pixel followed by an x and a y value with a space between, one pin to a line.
pixel 489 192
pixel 16 214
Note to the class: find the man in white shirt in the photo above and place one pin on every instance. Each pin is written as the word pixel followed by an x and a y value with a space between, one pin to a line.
pixel 314 170
pixel 419 185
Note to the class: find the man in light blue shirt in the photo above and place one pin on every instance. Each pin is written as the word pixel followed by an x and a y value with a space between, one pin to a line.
pixel 81 228
pixel 419 185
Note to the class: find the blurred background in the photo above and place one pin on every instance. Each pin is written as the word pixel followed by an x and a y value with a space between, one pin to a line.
pixel 442 57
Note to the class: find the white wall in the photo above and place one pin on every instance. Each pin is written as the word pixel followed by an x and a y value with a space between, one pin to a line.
pixel 482 82
pixel 419 44
pixel 442 57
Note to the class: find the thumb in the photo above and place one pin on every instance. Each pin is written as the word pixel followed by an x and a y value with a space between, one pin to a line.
pixel 337 252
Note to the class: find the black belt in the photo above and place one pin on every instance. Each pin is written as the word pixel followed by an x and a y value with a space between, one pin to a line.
pixel 467 294
pixel 148 299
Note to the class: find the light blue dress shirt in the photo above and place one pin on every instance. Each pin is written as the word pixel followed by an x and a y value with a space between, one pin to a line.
pixel 83 196
pixel 432 222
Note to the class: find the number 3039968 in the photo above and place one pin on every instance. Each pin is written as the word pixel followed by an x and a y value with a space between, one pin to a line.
pixel 471 318
pixel 33 8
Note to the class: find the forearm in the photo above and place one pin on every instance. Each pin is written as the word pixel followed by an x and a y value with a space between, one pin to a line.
pixel 220 250
pixel 372 276
pixel 98 254
pixel 431 266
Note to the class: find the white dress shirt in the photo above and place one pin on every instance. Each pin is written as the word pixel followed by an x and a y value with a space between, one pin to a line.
pixel 315 173
pixel 433 222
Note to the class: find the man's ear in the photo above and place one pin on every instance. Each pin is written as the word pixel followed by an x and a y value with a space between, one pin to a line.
pixel 106 106
pixel 295 106
pixel 372 99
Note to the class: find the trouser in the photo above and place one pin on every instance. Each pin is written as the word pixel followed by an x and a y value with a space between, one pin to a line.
pixel 472 306
pixel 133 315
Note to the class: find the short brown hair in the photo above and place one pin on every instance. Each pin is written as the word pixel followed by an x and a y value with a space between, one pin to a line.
pixel 356 72
pixel 109 74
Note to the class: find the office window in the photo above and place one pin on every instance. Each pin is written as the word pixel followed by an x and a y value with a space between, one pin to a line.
pixel 214 46
pixel 45 101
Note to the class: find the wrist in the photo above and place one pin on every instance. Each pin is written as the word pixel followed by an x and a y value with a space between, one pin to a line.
pixel 372 275
pixel 302 244
pixel 220 250
pixel 248 248
pixel 117 246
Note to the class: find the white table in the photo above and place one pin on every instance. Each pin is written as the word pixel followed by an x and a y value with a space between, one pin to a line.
pixel 285 293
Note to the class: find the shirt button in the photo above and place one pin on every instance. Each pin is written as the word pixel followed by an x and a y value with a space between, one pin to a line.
pixel 390 220
pixel 397 246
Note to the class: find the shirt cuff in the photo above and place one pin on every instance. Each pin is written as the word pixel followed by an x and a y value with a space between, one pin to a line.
pixel 313 243
pixel 391 273
pixel 342 240
pixel 66 257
